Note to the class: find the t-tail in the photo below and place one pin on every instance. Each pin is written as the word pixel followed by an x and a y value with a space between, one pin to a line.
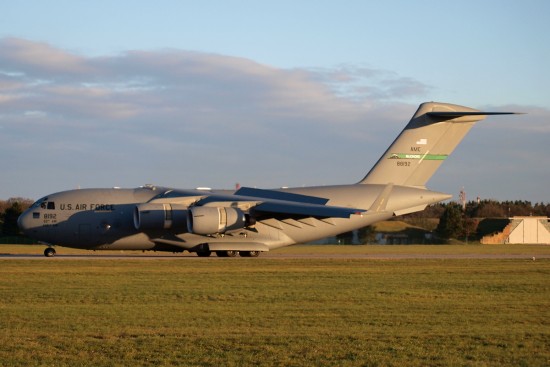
pixel 428 139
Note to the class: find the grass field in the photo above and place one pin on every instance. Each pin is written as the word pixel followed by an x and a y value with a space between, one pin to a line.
pixel 421 250
pixel 276 312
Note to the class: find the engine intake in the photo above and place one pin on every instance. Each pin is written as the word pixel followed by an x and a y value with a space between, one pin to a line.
pixel 205 220
pixel 160 216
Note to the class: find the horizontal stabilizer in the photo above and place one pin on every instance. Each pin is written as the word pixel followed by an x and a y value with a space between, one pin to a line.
pixel 453 114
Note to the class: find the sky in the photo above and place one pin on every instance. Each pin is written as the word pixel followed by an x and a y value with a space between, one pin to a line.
pixel 267 93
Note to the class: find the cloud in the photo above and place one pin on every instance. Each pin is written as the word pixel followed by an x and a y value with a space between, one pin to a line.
pixel 38 59
pixel 361 83
pixel 171 116
pixel 181 90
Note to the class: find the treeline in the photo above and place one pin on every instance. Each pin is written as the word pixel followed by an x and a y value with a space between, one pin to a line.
pixel 488 209
pixel 9 212
pixel 470 222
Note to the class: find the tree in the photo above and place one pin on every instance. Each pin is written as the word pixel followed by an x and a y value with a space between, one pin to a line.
pixel 451 223
pixel 366 235
pixel 490 209
pixel 469 227
pixel 11 214
pixel 541 209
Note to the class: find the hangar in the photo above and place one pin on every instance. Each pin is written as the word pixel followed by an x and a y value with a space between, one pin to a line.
pixel 522 230
pixel 529 230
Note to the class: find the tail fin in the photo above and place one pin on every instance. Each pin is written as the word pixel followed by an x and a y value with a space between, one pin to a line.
pixel 432 134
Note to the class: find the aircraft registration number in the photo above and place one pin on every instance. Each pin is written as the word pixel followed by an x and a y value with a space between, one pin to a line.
pixel 50 219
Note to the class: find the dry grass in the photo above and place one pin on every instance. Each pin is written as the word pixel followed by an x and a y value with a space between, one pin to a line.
pixel 274 312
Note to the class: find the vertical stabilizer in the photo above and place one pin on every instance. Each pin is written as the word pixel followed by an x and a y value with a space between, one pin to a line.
pixel 428 139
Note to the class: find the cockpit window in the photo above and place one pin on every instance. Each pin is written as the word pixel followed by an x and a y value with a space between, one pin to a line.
pixel 44 204
pixel 40 203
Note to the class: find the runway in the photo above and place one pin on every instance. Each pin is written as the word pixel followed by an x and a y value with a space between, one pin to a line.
pixel 274 256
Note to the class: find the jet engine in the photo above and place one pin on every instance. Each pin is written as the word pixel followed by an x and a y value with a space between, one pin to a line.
pixel 160 216
pixel 205 220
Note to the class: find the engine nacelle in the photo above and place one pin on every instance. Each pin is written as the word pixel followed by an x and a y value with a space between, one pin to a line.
pixel 160 216
pixel 205 220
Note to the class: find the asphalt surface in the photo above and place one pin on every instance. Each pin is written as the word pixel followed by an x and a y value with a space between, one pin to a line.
pixel 274 255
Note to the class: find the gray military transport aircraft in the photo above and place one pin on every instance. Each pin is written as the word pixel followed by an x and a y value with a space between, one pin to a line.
pixel 249 221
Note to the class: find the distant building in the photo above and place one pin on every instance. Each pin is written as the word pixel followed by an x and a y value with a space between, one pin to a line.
pixel 528 230
pixel 392 239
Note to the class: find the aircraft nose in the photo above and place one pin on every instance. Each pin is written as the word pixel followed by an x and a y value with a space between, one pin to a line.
pixel 23 222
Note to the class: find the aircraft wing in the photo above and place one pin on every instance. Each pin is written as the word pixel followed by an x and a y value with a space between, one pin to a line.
pixel 280 195
pixel 279 203
pixel 308 210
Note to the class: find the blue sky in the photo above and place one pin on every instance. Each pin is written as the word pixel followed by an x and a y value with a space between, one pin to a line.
pixel 267 94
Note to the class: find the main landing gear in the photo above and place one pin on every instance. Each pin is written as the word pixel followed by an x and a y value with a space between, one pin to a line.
pixel 229 253
pixel 250 253
pixel 49 252
pixel 204 253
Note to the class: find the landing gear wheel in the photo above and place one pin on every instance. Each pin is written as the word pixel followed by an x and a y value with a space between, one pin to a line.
pixel 250 253
pixel 204 253
pixel 229 253
pixel 49 252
